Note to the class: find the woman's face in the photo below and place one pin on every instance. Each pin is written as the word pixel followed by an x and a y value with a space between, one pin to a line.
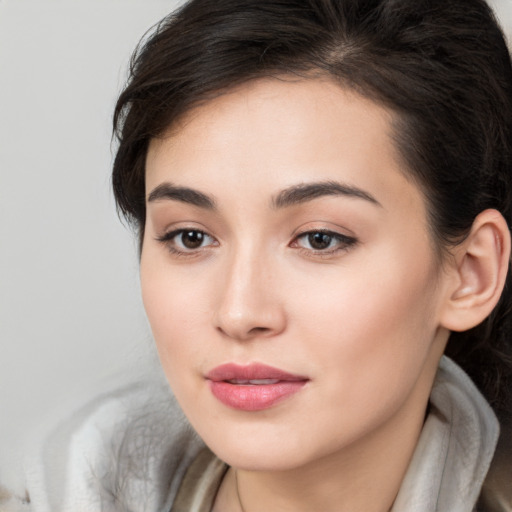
pixel 288 274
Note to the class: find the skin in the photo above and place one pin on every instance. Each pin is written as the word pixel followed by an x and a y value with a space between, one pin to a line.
pixel 362 320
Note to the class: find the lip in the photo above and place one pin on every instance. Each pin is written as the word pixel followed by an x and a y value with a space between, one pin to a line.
pixel 230 384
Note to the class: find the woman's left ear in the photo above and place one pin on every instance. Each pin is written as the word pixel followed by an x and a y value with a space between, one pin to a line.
pixel 479 268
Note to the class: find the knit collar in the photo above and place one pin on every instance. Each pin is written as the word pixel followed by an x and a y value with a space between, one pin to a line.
pixel 454 450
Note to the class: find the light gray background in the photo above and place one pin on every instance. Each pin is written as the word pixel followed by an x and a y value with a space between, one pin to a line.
pixel 71 321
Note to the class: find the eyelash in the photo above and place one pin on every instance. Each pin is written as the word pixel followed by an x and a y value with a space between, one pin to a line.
pixel 168 239
pixel 343 242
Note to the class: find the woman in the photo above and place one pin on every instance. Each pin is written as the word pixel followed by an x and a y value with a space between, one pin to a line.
pixel 322 191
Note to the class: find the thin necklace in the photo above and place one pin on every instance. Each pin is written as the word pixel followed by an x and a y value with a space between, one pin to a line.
pixel 238 492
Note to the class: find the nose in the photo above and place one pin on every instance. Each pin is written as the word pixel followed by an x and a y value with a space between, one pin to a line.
pixel 250 302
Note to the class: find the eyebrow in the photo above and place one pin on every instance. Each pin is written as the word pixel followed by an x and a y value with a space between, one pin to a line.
pixel 184 194
pixel 304 192
pixel 290 196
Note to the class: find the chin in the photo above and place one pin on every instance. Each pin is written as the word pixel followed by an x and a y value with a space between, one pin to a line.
pixel 257 459
pixel 260 448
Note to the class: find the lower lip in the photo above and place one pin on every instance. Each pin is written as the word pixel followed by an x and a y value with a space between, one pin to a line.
pixel 254 397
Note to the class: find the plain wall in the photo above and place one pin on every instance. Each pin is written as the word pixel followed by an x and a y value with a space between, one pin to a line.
pixel 71 320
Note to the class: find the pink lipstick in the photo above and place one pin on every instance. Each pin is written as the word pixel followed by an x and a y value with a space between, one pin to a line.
pixel 253 387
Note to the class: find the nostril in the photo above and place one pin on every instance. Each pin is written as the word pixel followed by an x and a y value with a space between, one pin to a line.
pixel 259 330
pixel 244 334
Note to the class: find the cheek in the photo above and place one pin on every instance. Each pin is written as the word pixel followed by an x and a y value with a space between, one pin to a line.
pixel 362 331
pixel 176 310
pixel 374 324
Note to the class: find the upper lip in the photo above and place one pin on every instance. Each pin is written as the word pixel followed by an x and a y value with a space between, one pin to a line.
pixel 254 371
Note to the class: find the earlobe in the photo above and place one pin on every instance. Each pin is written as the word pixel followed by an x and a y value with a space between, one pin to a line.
pixel 480 267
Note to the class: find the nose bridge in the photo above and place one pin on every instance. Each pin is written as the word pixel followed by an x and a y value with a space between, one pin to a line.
pixel 248 303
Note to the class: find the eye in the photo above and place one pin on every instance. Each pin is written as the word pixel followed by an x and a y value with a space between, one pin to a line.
pixel 323 241
pixel 186 240
pixel 192 239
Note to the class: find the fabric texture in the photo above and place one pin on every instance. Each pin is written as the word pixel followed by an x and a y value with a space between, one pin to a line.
pixel 130 450
pixel 455 448
pixel 200 484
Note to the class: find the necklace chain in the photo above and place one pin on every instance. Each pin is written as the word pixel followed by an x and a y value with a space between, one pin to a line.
pixel 238 492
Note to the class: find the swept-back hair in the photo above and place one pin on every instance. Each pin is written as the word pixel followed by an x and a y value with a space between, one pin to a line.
pixel 442 67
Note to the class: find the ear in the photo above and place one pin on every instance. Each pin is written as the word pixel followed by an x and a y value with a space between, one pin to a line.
pixel 479 269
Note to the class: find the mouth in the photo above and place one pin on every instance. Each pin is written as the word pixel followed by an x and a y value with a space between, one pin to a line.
pixel 254 387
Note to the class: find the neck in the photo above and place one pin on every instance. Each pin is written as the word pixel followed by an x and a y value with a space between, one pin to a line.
pixel 364 477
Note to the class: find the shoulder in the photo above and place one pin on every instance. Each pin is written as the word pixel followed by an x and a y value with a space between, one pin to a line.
pixel 125 450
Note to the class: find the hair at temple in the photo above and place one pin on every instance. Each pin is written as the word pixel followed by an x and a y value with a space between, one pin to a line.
pixel 441 67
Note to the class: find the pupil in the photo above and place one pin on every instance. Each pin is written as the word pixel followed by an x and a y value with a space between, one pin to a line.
pixel 192 239
pixel 319 240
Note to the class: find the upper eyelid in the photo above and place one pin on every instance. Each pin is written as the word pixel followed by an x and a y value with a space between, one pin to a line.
pixel 170 234
pixel 326 231
pixel 325 226
pixel 167 240
pixel 346 242
pixel 175 231
pixel 182 226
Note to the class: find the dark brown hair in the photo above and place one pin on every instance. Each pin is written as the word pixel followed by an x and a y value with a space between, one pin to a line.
pixel 441 66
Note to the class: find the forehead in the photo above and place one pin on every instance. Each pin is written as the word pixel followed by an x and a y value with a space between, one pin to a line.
pixel 280 110
pixel 273 133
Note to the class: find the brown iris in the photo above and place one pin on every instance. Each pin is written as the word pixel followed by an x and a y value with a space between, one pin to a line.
pixel 192 239
pixel 319 241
